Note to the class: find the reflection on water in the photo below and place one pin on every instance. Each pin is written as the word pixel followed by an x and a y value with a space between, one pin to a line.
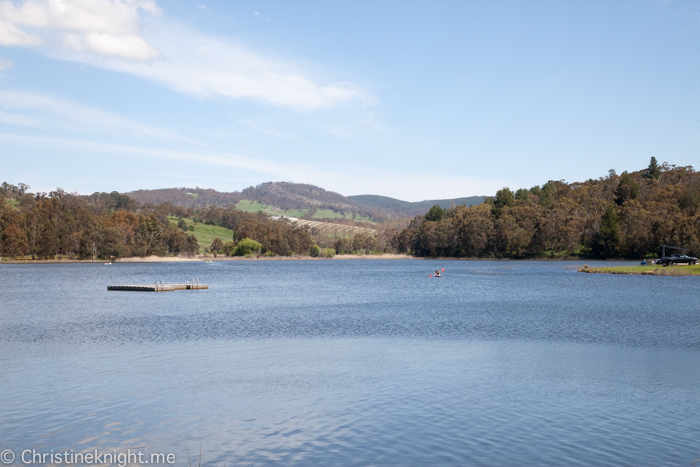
pixel 353 363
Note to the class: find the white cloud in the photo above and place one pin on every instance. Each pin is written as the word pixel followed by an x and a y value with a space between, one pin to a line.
pixel 17 119
pixel 27 109
pixel 5 64
pixel 169 54
pixel 408 187
pixel 204 66
pixel 11 35
pixel 96 132
pixel 103 28
pixel 202 158
pixel 266 128
pixel 127 46
pixel 111 16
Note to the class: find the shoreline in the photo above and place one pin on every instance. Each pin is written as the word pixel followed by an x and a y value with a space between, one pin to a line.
pixel 202 258
pixel 652 270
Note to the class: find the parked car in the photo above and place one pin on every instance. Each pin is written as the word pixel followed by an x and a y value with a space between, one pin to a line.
pixel 678 259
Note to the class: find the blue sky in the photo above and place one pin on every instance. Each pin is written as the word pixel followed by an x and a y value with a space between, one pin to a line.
pixel 409 99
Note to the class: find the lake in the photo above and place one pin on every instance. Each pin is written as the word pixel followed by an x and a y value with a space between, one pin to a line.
pixel 359 362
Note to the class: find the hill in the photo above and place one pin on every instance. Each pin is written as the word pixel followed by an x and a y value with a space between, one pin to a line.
pixel 287 195
pixel 187 197
pixel 407 208
pixel 303 200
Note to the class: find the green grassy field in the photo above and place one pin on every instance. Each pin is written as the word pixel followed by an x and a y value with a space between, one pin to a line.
pixel 647 270
pixel 246 205
pixel 331 214
pixel 206 233
pixel 290 212
pixel 360 219
pixel 253 206
pixel 327 214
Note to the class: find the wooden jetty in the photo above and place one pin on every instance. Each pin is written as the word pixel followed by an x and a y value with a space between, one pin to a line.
pixel 160 286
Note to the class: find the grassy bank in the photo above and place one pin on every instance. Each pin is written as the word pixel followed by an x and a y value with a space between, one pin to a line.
pixel 646 270
pixel 205 233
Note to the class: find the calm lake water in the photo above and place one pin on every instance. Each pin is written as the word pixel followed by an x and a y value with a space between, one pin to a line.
pixel 353 363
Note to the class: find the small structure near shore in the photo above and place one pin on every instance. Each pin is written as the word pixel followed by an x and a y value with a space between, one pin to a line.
pixel 160 286
pixel 663 249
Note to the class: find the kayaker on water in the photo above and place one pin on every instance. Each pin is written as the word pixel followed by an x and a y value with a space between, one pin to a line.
pixel 437 273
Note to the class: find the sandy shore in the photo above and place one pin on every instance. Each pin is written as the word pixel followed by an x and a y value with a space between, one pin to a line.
pixel 200 258
pixel 157 259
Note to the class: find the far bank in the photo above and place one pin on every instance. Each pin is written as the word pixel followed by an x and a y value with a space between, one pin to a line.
pixel 652 270
pixel 342 257
pixel 202 258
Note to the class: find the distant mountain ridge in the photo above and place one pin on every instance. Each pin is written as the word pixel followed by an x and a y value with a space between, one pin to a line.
pixel 413 208
pixel 287 195
pixel 187 197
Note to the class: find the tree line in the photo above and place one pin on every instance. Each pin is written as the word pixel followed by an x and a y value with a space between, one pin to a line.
pixel 112 225
pixel 617 216
pixel 102 225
